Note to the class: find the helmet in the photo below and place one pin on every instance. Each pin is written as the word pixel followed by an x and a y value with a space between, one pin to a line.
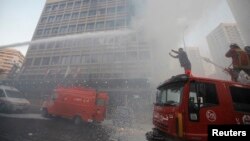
pixel 234 45
pixel 180 49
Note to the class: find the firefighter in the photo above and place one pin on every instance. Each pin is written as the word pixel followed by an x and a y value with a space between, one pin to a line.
pixel 240 60
pixel 183 59
pixel 239 57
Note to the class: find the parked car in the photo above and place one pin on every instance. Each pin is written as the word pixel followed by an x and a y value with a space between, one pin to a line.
pixel 12 99
pixel 123 116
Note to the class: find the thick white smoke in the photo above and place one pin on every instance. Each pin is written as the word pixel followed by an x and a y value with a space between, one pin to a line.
pixel 165 22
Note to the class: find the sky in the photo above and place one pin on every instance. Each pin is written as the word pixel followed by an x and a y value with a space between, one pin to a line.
pixel 18 20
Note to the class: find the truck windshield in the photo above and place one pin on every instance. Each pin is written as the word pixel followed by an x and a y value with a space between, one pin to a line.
pixel 241 98
pixel 14 94
pixel 170 94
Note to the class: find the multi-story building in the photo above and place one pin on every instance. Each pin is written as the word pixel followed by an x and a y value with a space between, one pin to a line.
pixel 219 40
pixel 240 10
pixel 95 48
pixel 9 58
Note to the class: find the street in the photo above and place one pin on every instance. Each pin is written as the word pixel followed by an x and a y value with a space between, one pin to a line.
pixel 33 127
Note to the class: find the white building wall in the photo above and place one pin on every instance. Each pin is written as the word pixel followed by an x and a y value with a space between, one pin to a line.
pixel 241 12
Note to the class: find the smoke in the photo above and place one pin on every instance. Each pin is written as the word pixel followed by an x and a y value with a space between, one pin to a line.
pixel 70 37
pixel 164 23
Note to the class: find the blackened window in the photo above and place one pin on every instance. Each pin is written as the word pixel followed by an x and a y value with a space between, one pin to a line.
pixel 62 6
pixel 80 27
pixel 63 29
pixel 39 32
pixel 55 30
pixel 75 15
pixel 47 31
pixel 77 4
pixel 93 1
pixel 70 5
pixel 28 61
pixel 92 13
pixel 48 8
pixel 44 20
pixel 120 23
pixel 110 24
pixel 55 60
pixel 83 14
pixel 66 16
pixel 101 0
pixel 51 19
pixel 100 25
pixel 86 59
pixel 76 59
pixel 72 28
pixel 37 61
pixel 85 2
pixel 101 12
pixel 90 26
pixel 66 60
pixel 54 7
pixel 58 18
pixel 45 61
pixel 120 9
pixel 111 11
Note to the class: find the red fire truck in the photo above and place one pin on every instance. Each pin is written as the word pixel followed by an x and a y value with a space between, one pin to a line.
pixel 186 105
pixel 77 103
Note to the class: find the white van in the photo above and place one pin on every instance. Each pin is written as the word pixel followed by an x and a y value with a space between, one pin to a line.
pixel 12 100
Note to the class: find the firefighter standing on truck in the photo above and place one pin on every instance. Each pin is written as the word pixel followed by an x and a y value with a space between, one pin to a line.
pixel 183 58
pixel 240 60
pixel 234 53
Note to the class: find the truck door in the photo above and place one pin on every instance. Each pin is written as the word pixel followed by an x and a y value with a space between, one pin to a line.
pixel 241 103
pixel 203 109
pixel 54 104
pixel 100 109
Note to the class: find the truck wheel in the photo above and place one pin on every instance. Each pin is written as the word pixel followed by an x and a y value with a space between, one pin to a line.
pixel 77 120
pixel 45 112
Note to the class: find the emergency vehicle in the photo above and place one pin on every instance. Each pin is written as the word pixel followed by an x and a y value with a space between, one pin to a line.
pixel 186 105
pixel 77 103
pixel 12 100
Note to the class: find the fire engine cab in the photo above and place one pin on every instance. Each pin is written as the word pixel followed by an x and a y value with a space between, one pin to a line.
pixel 77 103
pixel 186 105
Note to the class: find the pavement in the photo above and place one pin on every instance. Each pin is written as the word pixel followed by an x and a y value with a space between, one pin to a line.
pixel 34 127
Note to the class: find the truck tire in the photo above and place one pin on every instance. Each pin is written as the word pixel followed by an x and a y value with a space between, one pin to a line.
pixel 77 120
pixel 45 113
